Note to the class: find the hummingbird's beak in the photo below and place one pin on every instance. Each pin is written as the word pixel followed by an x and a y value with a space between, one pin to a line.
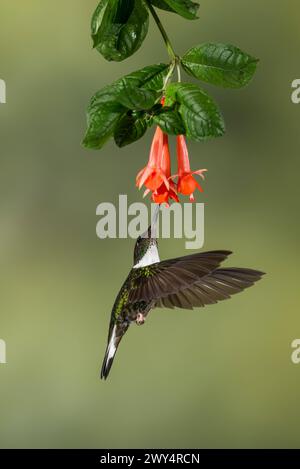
pixel 153 227
pixel 151 232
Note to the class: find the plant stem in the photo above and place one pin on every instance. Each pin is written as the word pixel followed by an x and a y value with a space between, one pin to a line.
pixel 170 73
pixel 178 72
pixel 166 39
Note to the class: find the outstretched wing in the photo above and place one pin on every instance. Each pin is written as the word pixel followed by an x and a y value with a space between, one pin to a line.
pixel 165 278
pixel 216 286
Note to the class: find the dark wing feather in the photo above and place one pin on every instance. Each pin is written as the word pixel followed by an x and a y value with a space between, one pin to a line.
pixel 216 286
pixel 167 277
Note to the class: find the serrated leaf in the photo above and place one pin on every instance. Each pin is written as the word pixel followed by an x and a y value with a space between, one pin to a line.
pixel 200 114
pixel 170 122
pixel 106 110
pixel 220 64
pixel 185 8
pixel 130 128
pixel 119 28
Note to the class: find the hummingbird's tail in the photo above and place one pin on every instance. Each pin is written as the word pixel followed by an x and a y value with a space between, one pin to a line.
pixel 115 335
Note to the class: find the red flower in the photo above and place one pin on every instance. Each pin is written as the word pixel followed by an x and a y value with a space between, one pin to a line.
pixel 153 175
pixel 164 193
pixel 156 176
pixel 186 183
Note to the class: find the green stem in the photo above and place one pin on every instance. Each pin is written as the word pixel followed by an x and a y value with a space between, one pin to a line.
pixel 178 72
pixel 170 73
pixel 166 39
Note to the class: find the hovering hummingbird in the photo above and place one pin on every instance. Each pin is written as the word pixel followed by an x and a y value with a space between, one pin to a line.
pixel 187 282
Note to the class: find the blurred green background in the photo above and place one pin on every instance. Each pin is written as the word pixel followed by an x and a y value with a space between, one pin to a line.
pixel 217 377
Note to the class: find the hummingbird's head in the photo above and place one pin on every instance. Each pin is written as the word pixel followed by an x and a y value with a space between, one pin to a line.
pixel 145 250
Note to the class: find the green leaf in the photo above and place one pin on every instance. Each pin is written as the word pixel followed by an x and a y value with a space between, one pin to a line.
pixel 97 20
pixel 138 98
pixel 130 128
pixel 102 121
pixel 185 8
pixel 170 122
pixel 200 114
pixel 162 5
pixel 106 110
pixel 151 77
pixel 220 64
pixel 119 28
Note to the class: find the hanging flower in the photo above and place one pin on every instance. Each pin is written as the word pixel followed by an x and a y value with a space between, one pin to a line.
pixel 186 184
pixel 164 193
pixel 153 175
pixel 167 189
pixel 156 176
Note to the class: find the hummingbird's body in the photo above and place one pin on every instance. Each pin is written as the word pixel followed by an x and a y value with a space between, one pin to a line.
pixel 184 282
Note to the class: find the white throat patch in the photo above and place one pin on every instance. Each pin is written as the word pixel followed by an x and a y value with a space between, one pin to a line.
pixel 151 257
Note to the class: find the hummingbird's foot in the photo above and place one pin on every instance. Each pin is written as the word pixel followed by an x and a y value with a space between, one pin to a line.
pixel 140 319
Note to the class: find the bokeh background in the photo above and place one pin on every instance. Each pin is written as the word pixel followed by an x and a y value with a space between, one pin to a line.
pixel 217 377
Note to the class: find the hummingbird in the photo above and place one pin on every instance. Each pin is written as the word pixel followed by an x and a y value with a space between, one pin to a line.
pixel 187 282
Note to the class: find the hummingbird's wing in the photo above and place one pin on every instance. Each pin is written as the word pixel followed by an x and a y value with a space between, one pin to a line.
pixel 216 286
pixel 168 277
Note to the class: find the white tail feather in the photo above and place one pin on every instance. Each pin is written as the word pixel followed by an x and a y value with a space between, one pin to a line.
pixel 109 354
